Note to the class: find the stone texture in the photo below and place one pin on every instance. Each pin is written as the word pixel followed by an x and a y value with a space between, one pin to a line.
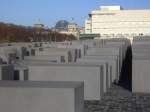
pixel 118 99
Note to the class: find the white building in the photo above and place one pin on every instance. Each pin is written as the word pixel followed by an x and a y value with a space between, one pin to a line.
pixel 113 20
pixel 82 30
pixel 39 25
pixel 88 26
pixel 73 28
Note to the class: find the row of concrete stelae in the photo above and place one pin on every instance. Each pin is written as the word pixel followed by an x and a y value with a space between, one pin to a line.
pixel 60 76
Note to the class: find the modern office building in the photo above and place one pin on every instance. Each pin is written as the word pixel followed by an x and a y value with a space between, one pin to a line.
pixel 115 21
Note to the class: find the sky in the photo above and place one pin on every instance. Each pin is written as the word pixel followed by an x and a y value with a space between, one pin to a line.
pixel 48 12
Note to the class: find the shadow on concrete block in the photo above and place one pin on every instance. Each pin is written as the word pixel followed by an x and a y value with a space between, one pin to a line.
pixel 125 80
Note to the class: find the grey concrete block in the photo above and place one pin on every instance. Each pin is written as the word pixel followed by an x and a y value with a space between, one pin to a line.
pixel 92 75
pixel 103 51
pixel 140 75
pixel 111 60
pixel 107 75
pixel 110 77
pixel 6 72
pixel 53 58
pixel 41 96
pixel 69 54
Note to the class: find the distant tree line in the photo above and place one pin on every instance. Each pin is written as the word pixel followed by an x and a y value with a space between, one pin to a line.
pixel 18 33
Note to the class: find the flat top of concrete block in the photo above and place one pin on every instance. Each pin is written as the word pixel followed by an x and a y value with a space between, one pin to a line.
pixel 101 57
pixel 141 38
pixel 83 64
pixel 141 57
pixel 142 51
pixel 41 84
pixel 141 43
pixel 58 49
pixel 105 48
pixel 115 42
pixel 111 46
pixel 102 54
pixel 104 51
pixel 44 56
pixel 20 67
pixel 92 61
pixel 137 46
pixel 116 39
pixel 5 65
pixel 40 61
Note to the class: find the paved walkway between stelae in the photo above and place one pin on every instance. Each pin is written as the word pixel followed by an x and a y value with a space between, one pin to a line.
pixel 118 99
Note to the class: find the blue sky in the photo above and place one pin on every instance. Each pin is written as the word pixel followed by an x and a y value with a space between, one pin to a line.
pixel 28 12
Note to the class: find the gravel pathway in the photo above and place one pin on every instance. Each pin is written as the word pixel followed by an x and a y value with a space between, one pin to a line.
pixel 118 99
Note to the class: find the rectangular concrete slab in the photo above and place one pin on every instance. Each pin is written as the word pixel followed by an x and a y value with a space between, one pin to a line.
pixel 112 60
pixel 121 53
pixel 56 58
pixel 69 54
pixel 103 51
pixel 81 48
pixel 92 75
pixel 106 71
pixel 141 65
pixel 6 72
pixel 140 75
pixel 41 96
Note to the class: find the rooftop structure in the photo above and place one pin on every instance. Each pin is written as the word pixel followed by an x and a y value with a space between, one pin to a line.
pixel 110 8
pixel 39 25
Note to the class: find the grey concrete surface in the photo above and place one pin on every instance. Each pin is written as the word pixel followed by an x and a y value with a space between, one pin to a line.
pixel 111 60
pixel 6 72
pixel 140 75
pixel 56 58
pixel 92 75
pixel 41 96
pixel 69 54
pixel 107 76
